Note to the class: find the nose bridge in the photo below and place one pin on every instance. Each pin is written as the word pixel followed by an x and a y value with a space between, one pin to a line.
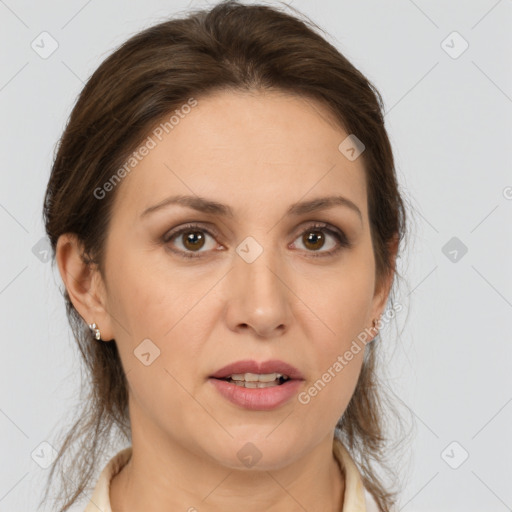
pixel 259 297
pixel 257 268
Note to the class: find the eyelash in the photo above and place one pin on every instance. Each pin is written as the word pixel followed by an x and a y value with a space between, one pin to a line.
pixel 343 242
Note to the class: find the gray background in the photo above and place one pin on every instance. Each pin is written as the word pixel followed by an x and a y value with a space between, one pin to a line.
pixel 449 118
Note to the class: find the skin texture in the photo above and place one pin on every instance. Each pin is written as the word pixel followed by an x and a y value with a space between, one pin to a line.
pixel 258 153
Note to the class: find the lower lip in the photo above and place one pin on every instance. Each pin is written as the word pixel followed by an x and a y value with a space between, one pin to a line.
pixel 257 399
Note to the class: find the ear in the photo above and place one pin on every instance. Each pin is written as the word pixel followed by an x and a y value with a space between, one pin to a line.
pixel 84 284
pixel 382 291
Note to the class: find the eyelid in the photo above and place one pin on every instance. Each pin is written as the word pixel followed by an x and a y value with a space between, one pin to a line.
pixel 189 226
pixel 341 237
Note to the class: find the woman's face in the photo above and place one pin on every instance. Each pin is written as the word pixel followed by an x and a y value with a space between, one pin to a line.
pixel 259 284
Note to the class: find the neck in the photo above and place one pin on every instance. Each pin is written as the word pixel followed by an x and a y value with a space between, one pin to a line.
pixel 162 475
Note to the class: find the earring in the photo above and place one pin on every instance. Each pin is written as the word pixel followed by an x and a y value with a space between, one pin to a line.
pixel 95 331
pixel 374 326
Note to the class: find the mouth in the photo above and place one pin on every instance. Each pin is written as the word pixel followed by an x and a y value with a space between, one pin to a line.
pixel 258 386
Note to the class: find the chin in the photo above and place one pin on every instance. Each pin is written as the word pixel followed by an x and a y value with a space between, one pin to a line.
pixel 256 453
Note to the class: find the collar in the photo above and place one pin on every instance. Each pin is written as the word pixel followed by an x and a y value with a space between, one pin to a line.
pixel 356 497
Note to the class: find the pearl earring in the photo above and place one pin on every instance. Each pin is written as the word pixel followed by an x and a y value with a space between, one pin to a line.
pixel 95 331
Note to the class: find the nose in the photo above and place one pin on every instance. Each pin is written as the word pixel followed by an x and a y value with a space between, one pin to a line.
pixel 258 296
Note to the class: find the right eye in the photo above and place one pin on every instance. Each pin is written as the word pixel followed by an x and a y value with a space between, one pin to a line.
pixel 192 238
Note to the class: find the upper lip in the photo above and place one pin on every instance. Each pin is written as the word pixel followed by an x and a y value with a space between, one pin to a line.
pixel 251 366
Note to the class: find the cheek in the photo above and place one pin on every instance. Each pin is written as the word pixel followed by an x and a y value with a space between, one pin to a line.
pixel 336 315
pixel 336 309
pixel 153 297
pixel 334 378
pixel 328 396
pixel 165 308
pixel 172 310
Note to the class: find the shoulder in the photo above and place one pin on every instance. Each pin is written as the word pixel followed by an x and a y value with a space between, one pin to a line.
pixel 371 504
pixel 357 497
pixel 100 499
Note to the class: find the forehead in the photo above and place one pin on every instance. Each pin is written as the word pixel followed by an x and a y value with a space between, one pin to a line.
pixel 242 149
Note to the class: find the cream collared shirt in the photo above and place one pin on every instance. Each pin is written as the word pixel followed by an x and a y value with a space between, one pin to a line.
pixel 356 499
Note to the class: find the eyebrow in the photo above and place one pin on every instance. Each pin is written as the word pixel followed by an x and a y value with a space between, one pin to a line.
pixel 204 205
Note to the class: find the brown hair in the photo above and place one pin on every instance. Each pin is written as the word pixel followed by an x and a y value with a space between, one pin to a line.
pixel 231 46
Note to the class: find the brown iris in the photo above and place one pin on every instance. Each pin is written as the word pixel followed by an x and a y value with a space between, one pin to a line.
pixel 313 237
pixel 193 240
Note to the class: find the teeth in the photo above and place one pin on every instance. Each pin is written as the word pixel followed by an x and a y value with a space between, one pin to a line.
pixel 244 384
pixel 255 377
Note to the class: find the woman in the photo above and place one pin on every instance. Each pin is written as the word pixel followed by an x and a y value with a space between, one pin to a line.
pixel 225 216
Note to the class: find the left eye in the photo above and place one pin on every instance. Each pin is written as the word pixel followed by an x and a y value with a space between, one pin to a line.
pixel 313 239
